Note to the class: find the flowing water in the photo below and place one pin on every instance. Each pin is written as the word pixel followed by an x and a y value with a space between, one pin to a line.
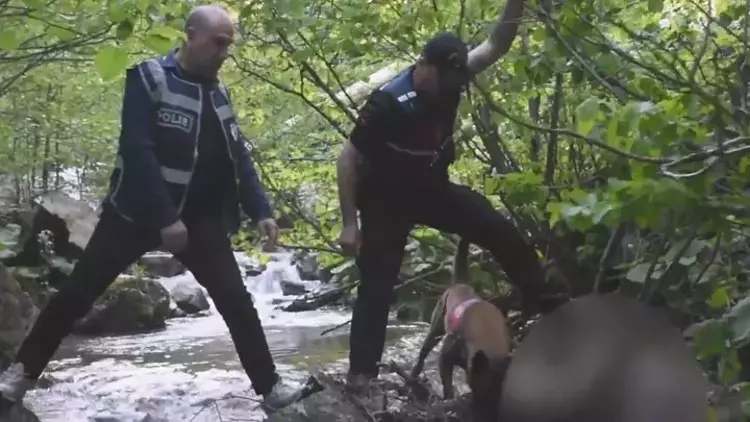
pixel 190 371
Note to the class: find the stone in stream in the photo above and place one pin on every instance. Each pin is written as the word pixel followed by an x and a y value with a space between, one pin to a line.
pixel 17 313
pixel 129 305
pixel 292 288
pixel 307 265
pixel 189 297
pixel 160 264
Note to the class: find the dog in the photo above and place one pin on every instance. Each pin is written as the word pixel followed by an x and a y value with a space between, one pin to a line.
pixel 604 358
pixel 476 339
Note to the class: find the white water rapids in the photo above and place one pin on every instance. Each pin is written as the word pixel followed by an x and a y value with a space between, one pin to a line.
pixel 191 367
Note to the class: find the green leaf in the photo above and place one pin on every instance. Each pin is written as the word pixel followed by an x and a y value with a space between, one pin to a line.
pixel 161 40
pixel 110 61
pixel 638 273
pixel 719 298
pixel 9 40
pixel 655 6
pixel 739 321
pixel 34 4
pixel 729 366
pixel 587 114
pixel 709 340
pixel 124 30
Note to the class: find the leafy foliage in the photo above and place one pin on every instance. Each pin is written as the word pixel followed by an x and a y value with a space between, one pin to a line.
pixel 613 133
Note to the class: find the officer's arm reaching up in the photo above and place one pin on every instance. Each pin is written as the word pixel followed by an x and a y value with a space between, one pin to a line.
pixel 367 140
pixel 500 40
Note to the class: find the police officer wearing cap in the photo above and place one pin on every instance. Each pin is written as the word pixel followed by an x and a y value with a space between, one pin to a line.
pixel 394 170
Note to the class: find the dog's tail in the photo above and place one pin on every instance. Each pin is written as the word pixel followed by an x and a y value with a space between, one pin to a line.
pixel 461 262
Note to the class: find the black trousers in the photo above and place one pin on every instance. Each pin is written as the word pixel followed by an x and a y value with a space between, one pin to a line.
pixel 385 226
pixel 113 247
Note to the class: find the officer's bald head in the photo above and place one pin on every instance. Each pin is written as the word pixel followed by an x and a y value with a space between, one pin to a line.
pixel 209 34
pixel 203 16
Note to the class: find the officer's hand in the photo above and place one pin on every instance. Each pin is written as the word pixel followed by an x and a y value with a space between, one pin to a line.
pixel 269 234
pixel 174 238
pixel 350 240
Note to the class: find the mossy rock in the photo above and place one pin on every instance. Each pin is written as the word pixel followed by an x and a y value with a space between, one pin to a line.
pixel 130 305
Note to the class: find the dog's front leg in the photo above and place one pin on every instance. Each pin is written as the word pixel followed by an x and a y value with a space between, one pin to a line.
pixel 433 338
pixel 446 368
pixel 437 330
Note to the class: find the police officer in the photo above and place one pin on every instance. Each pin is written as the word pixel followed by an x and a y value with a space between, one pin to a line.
pixel 394 169
pixel 182 167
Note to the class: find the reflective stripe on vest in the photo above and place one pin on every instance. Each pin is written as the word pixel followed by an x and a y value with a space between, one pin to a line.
pixel 160 93
pixel 170 175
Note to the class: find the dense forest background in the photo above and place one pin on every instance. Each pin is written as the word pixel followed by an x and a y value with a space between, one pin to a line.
pixel 614 133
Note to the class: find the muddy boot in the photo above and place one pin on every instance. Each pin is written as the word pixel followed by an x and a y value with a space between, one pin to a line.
pixel 283 394
pixel 368 390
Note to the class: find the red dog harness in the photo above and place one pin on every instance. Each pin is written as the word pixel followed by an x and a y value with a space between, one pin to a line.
pixel 454 319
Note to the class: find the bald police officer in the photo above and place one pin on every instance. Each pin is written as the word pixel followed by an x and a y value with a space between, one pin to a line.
pixel 182 167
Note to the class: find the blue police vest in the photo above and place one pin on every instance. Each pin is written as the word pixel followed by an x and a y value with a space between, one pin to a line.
pixel 175 133
pixel 414 146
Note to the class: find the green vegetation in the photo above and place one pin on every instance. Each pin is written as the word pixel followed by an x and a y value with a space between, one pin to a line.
pixel 603 132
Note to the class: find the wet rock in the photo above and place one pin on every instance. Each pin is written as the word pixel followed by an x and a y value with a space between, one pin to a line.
pixel 35 281
pixel 329 295
pixel 17 313
pixel 307 265
pixel 189 297
pixel 406 313
pixel 175 311
pixel 252 267
pixel 292 288
pixel 69 223
pixel 159 264
pixel 130 305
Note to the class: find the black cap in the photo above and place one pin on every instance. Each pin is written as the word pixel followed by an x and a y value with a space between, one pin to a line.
pixel 446 51
pixel 450 55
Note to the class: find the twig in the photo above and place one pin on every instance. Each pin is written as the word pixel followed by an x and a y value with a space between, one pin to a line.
pixel 308 248
pixel 330 330
pixel 608 251
pixel 421 392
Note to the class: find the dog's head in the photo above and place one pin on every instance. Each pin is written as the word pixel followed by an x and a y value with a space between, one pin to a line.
pixel 486 378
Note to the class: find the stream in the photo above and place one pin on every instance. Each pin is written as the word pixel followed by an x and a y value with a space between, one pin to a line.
pixel 190 371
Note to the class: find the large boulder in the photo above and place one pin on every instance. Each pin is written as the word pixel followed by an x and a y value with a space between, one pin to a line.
pixel 17 313
pixel 160 264
pixel 189 297
pixel 67 222
pixel 130 305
